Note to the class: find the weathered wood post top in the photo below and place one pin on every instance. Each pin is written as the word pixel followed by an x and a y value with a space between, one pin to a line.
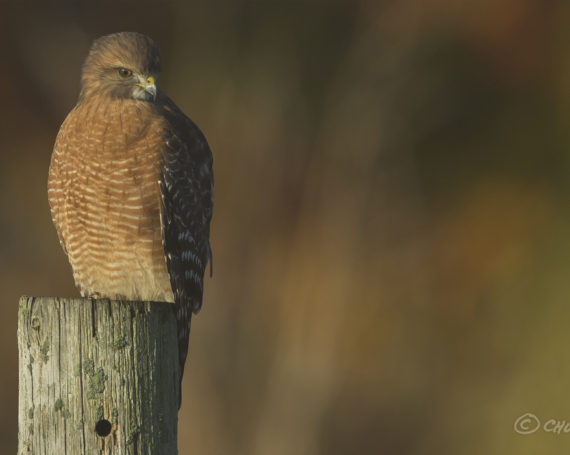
pixel 97 377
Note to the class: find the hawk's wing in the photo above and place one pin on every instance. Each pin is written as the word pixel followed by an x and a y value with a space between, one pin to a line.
pixel 186 186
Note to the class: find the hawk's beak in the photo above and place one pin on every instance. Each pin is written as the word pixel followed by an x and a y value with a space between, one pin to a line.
pixel 149 86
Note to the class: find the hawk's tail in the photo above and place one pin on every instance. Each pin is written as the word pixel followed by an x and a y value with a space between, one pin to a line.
pixel 183 320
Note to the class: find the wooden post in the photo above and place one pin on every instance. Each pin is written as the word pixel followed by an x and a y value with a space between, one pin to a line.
pixel 97 377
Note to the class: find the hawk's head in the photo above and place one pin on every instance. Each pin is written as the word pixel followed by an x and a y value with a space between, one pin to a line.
pixel 121 65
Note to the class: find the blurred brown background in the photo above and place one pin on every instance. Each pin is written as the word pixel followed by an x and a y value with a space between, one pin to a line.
pixel 391 231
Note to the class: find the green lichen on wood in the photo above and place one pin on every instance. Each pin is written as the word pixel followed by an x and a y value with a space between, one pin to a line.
pixel 45 349
pixel 89 367
pixel 30 363
pixel 99 412
pixel 23 309
pixel 133 434
pixel 31 413
pixel 119 343
pixel 115 416
pixel 66 414
pixel 96 384
pixel 96 381
pixel 58 406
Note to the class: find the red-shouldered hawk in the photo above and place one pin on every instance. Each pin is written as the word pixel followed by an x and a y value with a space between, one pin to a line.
pixel 130 185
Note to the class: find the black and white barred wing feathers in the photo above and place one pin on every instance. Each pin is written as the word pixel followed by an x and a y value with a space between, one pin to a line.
pixel 186 187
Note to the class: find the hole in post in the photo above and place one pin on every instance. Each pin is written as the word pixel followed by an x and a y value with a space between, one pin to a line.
pixel 103 428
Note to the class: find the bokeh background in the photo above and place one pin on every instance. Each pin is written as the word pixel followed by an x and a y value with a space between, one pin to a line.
pixel 391 231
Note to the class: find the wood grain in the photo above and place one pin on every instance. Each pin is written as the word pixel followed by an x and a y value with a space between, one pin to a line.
pixel 97 377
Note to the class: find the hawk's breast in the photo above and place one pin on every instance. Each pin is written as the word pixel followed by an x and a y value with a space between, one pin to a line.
pixel 105 199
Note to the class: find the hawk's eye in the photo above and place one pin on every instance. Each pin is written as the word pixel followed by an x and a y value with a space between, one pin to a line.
pixel 124 72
